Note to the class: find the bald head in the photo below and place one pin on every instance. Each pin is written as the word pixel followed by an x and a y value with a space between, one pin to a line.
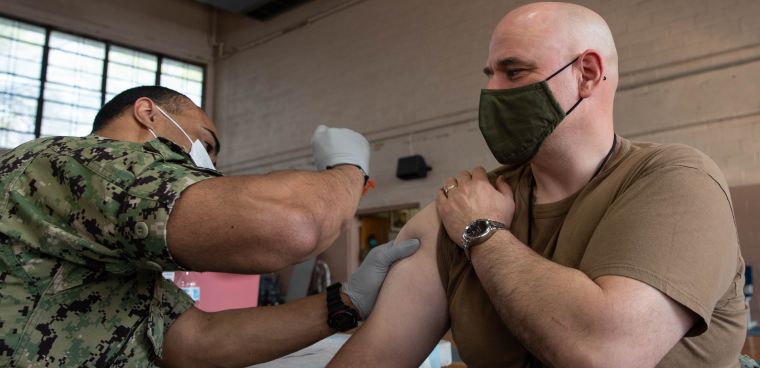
pixel 552 30
pixel 534 41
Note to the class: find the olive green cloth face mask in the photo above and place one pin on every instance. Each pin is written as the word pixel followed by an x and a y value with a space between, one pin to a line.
pixel 516 121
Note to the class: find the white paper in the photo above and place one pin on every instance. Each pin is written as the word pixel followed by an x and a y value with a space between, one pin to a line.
pixel 319 354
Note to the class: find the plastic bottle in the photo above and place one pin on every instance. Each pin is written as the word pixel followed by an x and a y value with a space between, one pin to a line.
pixel 187 282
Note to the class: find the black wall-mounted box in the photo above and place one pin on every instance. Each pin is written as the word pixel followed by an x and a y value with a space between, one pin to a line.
pixel 412 167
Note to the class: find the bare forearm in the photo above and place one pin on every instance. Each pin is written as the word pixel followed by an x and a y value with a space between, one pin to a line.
pixel 242 337
pixel 334 203
pixel 555 311
pixel 254 224
pixel 320 204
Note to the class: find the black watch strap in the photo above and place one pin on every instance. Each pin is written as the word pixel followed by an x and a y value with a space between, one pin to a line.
pixel 340 317
pixel 366 177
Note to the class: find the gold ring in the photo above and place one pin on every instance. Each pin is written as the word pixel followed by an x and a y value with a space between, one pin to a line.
pixel 448 188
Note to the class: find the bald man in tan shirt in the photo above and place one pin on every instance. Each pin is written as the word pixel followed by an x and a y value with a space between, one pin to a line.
pixel 613 253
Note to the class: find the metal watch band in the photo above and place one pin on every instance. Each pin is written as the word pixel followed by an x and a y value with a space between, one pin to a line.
pixel 491 228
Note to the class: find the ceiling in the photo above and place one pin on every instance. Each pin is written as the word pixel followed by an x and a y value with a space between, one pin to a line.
pixel 262 10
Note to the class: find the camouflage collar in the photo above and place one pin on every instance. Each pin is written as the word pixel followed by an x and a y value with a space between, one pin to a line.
pixel 169 150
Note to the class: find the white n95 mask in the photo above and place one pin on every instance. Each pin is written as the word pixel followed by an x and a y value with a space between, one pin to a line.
pixel 197 151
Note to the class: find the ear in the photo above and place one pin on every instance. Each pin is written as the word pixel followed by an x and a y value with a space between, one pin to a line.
pixel 145 112
pixel 592 72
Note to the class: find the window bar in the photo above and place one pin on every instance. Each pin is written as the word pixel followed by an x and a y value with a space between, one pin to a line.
pixel 43 79
pixel 203 89
pixel 105 76
pixel 44 71
pixel 158 70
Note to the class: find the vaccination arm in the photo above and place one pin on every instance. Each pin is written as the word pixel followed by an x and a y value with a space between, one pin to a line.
pixel 411 314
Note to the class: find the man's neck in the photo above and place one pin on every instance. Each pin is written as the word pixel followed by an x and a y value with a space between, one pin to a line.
pixel 563 172
pixel 124 131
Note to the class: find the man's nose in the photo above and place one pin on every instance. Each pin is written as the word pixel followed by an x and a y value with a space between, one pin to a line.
pixel 494 82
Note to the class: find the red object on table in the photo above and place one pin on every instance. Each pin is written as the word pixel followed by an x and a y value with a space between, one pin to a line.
pixel 221 291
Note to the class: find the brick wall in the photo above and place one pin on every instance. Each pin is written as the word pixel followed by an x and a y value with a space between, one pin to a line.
pixel 747 207
pixel 407 74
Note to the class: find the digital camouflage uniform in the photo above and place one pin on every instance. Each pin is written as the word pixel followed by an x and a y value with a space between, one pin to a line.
pixel 82 247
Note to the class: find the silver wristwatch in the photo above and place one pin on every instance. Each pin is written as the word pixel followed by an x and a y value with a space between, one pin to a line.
pixel 478 232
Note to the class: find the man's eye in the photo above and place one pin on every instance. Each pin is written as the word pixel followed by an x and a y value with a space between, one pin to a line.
pixel 514 73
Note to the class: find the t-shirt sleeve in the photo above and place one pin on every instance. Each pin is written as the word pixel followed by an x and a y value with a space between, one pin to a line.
pixel 674 230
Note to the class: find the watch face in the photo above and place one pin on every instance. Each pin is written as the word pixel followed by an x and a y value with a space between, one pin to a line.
pixel 476 229
pixel 343 320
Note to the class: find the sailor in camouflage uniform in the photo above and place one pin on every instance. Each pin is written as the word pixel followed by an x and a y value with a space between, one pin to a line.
pixel 85 234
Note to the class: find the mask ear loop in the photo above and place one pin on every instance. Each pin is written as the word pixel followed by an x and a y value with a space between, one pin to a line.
pixel 175 123
pixel 574 106
pixel 560 71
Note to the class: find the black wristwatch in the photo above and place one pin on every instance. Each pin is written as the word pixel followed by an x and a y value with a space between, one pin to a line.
pixel 366 177
pixel 340 317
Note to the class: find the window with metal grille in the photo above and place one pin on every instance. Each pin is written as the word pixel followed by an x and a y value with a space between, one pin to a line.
pixel 21 51
pixel 54 82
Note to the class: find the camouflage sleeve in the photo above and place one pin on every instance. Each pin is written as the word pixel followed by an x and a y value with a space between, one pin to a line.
pixel 103 205
pixel 169 302
pixel 144 213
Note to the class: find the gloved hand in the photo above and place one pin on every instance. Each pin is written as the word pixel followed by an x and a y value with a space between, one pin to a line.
pixel 335 146
pixel 365 283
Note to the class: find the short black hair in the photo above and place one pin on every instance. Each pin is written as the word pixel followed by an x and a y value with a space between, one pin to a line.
pixel 169 99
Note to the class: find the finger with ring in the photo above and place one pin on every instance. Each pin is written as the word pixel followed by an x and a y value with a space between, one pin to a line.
pixel 447 188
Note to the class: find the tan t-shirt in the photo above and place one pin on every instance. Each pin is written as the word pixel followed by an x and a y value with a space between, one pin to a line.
pixel 660 214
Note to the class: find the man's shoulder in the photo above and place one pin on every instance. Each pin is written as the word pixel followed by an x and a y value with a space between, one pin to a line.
pixel 85 148
pixel 665 154
pixel 16 158
pixel 657 156
pixel 646 159
pixel 64 143
pixel 93 148
pixel 73 157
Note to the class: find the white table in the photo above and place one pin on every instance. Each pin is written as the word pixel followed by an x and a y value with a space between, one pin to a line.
pixel 319 354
